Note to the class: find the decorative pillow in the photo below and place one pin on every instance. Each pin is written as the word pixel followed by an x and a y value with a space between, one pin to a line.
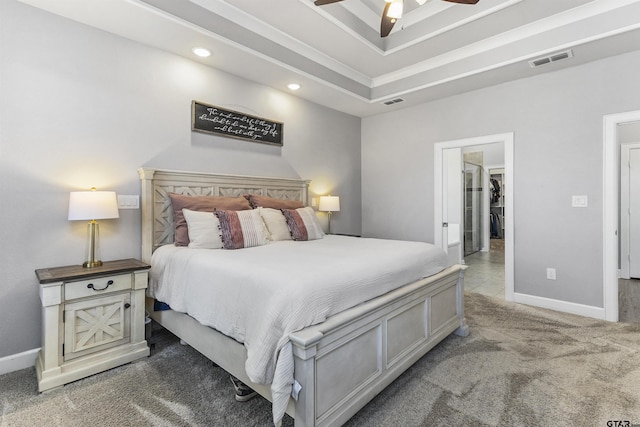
pixel 203 204
pixel 303 224
pixel 275 223
pixel 258 201
pixel 204 229
pixel 241 229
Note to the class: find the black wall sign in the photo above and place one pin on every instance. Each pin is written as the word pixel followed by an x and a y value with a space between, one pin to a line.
pixel 211 119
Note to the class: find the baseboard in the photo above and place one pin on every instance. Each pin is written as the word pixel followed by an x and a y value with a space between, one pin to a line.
pixel 558 305
pixel 15 362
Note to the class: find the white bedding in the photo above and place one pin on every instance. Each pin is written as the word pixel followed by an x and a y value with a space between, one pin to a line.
pixel 260 295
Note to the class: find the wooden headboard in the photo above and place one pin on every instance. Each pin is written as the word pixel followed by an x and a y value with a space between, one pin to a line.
pixel 157 215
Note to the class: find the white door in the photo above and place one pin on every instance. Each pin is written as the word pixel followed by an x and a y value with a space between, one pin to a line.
pixel 452 203
pixel 634 213
pixel 630 210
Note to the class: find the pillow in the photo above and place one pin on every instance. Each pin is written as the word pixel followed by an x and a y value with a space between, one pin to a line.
pixel 204 229
pixel 275 223
pixel 303 224
pixel 241 229
pixel 199 203
pixel 258 201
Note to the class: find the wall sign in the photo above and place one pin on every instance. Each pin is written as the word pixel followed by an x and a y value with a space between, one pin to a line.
pixel 211 119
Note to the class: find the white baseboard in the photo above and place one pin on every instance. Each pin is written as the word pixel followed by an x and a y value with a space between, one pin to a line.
pixel 15 362
pixel 564 306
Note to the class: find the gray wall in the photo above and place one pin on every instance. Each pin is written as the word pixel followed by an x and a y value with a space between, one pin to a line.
pixel 557 120
pixel 80 107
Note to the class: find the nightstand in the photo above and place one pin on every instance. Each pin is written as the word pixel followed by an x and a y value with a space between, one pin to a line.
pixel 92 320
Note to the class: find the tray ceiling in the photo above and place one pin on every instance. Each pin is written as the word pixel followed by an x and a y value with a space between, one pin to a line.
pixel 336 54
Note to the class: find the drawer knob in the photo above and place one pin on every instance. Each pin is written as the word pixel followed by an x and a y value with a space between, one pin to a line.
pixel 90 286
pixel 127 305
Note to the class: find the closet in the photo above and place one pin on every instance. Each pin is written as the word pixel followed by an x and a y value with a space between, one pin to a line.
pixel 496 198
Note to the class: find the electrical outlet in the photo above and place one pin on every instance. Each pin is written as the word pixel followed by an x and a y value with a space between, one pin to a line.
pixel 128 202
pixel 551 273
pixel 579 201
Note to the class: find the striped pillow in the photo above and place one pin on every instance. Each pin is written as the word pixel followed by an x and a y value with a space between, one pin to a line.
pixel 241 229
pixel 303 224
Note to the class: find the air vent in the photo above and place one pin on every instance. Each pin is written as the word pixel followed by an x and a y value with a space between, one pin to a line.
pixel 559 56
pixel 393 101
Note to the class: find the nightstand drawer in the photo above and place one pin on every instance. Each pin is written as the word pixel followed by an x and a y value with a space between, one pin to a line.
pixel 97 286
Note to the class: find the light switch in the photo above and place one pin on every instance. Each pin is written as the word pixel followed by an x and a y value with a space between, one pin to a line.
pixel 128 202
pixel 579 201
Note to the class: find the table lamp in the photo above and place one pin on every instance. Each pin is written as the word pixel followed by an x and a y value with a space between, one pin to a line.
pixel 90 206
pixel 329 204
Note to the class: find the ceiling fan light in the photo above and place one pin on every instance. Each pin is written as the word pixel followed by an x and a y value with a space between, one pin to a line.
pixel 395 10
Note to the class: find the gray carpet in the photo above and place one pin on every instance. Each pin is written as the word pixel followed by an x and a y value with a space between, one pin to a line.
pixel 520 366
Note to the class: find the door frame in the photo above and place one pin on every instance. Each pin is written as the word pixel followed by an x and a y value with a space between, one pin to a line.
pixel 611 205
pixel 508 140
pixel 625 202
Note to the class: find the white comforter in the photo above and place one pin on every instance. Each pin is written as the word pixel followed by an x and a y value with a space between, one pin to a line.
pixel 260 295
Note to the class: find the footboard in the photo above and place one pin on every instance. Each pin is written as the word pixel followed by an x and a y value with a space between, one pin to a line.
pixel 344 362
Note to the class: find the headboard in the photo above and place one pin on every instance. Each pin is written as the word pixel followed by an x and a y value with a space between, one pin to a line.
pixel 157 215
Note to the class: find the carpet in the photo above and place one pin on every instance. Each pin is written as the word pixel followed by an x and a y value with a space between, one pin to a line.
pixel 521 366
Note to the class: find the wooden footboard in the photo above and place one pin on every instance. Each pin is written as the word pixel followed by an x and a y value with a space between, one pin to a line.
pixel 344 362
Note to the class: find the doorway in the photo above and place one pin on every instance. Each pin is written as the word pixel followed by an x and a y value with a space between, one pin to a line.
pixel 630 210
pixel 442 230
pixel 611 202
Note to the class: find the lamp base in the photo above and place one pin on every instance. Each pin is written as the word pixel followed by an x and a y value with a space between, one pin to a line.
pixel 91 264
pixel 92 258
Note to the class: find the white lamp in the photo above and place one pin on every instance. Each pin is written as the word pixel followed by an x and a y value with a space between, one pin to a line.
pixel 90 206
pixel 329 204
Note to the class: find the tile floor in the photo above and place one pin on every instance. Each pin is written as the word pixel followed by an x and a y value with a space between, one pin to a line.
pixel 485 274
pixel 629 300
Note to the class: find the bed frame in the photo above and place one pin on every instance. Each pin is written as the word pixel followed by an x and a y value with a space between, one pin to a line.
pixel 340 364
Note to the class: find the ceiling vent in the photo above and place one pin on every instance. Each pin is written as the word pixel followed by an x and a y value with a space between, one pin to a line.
pixel 393 101
pixel 559 56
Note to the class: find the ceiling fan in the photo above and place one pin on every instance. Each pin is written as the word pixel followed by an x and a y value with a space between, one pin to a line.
pixel 392 11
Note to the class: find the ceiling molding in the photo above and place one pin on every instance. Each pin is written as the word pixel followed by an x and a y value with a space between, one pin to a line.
pixel 343 63
pixel 226 10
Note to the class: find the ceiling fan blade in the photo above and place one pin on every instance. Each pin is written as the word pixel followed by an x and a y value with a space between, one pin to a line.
pixel 386 23
pixel 463 1
pixel 323 2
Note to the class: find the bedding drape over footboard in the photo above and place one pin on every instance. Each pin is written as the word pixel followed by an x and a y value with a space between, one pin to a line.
pixel 260 295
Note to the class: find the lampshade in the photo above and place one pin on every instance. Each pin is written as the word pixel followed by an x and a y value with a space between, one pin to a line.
pixel 329 204
pixel 89 205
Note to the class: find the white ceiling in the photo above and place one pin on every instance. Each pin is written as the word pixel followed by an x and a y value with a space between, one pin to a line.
pixel 336 54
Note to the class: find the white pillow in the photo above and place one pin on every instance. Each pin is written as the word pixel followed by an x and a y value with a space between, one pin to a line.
pixel 275 223
pixel 204 229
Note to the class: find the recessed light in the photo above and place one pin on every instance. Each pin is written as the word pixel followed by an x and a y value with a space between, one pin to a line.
pixel 293 86
pixel 202 52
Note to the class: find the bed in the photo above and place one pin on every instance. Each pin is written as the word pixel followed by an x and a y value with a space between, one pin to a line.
pixel 338 364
